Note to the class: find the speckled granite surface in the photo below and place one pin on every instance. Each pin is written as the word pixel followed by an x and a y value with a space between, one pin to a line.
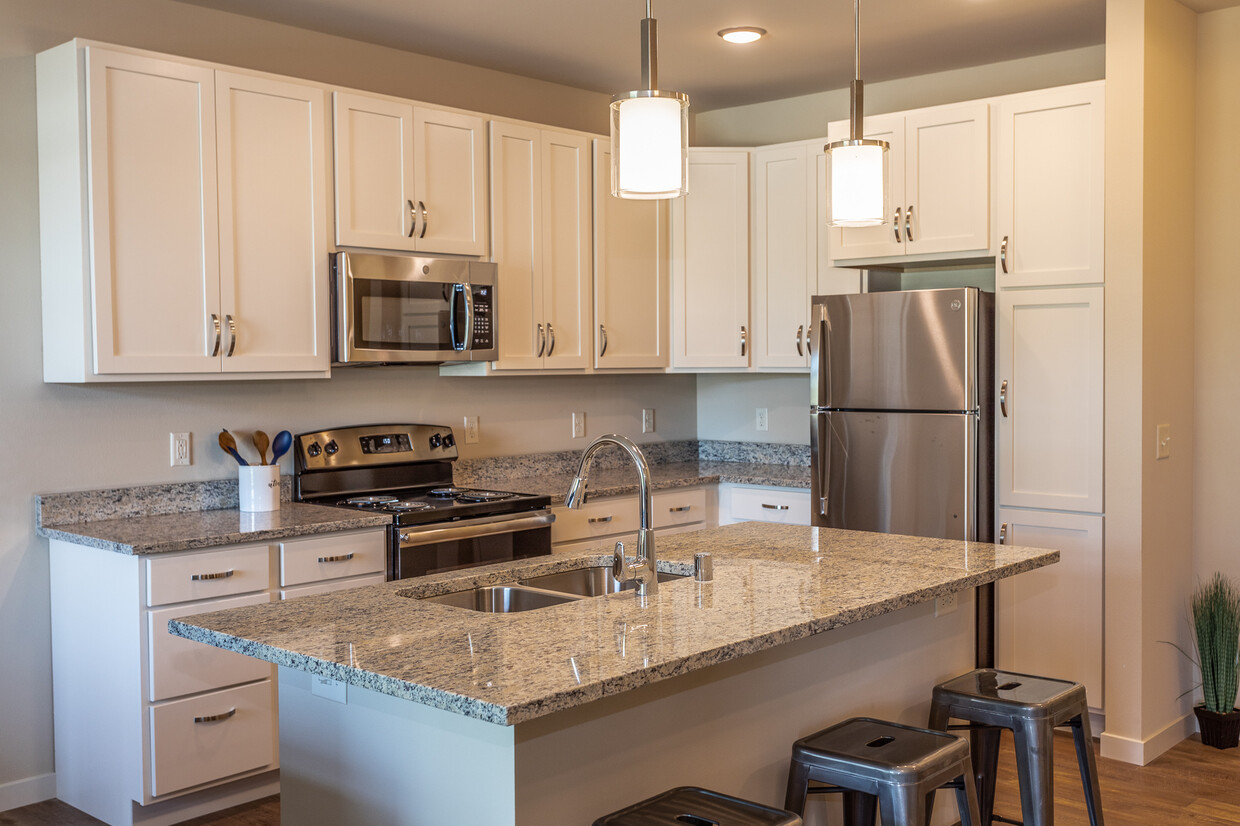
pixel 762 453
pixel 773 584
pixel 207 528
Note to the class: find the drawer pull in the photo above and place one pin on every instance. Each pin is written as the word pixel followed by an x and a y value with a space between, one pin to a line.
pixel 681 509
pixel 215 718
pixel 204 577
pixel 775 507
pixel 595 519
pixel 340 558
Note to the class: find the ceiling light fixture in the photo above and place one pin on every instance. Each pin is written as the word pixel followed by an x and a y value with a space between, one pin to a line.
pixel 742 34
pixel 858 188
pixel 649 132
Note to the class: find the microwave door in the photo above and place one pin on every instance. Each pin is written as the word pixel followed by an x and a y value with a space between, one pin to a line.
pixel 393 320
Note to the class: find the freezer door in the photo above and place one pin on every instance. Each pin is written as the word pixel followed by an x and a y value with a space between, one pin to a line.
pixel 905 473
pixel 914 350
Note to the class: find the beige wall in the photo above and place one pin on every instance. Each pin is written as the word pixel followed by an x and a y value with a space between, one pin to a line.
pixel 75 437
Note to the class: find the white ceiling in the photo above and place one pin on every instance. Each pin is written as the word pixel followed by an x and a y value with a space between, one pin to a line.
pixel 595 44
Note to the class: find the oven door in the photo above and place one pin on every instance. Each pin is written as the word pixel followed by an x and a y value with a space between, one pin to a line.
pixel 430 549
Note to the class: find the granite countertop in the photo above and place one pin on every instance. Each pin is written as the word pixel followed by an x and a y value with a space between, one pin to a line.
pixel 613 481
pixel 772 584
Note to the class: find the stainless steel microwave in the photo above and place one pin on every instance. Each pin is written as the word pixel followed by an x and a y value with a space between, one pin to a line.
pixel 398 309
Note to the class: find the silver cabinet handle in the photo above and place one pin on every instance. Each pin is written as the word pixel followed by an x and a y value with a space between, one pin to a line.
pixel 232 335
pixel 413 218
pixel 205 577
pixel 908 223
pixel 214 718
pixel 800 336
pixel 215 322
pixel 340 558
pixel 426 219
pixel 551 337
pixel 1003 398
pixel 896 222
pixel 775 507
pixel 1003 534
pixel 744 339
pixel 596 519
pixel 542 342
pixel 680 509
pixel 602 333
pixel 1003 249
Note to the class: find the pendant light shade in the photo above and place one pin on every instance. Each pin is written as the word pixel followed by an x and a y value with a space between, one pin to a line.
pixel 858 187
pixel 649 133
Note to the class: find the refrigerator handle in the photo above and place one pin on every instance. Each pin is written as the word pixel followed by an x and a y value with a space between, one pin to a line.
pixel 1003 398
pixel 1003 534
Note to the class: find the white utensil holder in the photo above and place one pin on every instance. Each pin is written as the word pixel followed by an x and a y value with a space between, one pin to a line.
pixel 258 488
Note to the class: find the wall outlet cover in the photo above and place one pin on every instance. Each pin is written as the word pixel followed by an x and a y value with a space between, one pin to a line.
pixel 180 447
pixel 761 421
pixel 647 420
pixel 579 425
pixel 946 604
pixel 471 430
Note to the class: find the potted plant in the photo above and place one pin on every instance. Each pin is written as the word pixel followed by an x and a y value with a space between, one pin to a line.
pixel 1216 636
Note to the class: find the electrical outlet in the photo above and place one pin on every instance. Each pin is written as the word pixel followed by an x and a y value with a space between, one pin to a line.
pixel 471 430
pixel 946 604
pixel 760 420
pixel 1162 450
pixel 579 425
pixel 647 420
pixel 180 449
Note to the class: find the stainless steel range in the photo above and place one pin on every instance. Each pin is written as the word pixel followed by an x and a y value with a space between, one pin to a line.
pixel 405 470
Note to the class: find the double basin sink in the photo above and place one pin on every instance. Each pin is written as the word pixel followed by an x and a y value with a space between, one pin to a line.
pixel 540 591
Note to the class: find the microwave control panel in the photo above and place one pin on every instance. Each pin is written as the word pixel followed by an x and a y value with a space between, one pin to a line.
pixel 483 334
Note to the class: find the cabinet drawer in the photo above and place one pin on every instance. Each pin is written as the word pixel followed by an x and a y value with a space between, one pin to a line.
pixel 604 517
pixel 334 585
pixel 179 666
pixel 679 507
pixel 207 575
pixel 786 505
pixel 331 557
pixel 188 749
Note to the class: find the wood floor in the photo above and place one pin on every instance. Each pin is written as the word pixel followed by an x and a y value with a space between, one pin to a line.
pixel 1191 785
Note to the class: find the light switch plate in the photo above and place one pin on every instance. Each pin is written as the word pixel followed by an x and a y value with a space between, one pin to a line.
pixel 329 689
pixel 1162 446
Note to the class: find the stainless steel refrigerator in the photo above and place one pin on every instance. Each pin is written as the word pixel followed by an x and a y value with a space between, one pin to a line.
pixel 903 424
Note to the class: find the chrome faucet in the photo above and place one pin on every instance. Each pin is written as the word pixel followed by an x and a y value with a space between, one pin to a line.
pixel 641 569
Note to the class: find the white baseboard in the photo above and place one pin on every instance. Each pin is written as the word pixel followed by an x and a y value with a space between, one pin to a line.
pixel 26 791
pixel 1143 752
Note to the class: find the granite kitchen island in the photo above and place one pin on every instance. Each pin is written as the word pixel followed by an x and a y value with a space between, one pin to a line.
pixel 395 709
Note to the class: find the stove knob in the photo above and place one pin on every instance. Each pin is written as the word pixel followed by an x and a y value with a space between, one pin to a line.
pixel 449 440
pixel 436 440
pixel 331 448
pixel 314 449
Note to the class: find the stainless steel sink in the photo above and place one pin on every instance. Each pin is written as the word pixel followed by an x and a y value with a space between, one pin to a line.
pixel 587 582
pixel 502 599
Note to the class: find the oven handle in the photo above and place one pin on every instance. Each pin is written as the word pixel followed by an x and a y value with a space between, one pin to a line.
pixel 500 524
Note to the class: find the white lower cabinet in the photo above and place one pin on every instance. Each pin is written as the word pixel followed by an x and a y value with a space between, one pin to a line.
pixel 1049 621
pixel 755 503
pixel 615 518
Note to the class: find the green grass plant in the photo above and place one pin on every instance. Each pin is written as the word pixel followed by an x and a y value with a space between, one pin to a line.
pixel 1216 626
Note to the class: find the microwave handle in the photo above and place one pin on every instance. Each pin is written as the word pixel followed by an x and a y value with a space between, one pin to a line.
pixel 466 292
pixel 467 342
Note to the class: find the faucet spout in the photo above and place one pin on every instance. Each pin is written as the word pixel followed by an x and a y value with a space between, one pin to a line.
pixel 641 569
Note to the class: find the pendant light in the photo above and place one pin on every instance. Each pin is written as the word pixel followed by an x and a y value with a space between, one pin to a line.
pixel 649 132
pixel 858 188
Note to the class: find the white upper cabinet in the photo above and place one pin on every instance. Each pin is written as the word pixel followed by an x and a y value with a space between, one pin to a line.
pixel 785 254
pixel 938 185
pixel 630 275
pixel 540 201
pixel 183 220
pixel 710 262
pixel 408 177
pixel 1050 199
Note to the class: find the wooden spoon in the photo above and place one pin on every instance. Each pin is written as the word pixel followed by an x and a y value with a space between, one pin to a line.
pixel 261 443
pixel 229 444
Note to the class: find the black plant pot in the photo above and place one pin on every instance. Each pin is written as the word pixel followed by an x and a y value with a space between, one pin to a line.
pixel 1219 729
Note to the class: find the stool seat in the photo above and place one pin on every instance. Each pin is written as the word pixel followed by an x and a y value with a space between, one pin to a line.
pixel 698 807
pixel 1005 695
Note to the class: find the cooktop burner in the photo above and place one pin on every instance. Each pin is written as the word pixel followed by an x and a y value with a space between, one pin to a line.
pixel 370 501
pixel 408 505
pixel 483 495
pixel 447 493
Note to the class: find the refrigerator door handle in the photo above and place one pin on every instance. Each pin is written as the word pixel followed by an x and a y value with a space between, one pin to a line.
pixel 1003 398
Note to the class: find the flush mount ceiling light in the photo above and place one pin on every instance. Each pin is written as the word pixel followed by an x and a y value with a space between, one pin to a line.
pixel 858 188
pixel 742 34
pixel 649 132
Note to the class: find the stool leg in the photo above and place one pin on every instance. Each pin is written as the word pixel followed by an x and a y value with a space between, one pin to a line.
pixel 966 801
pixel 1089 767
pixel 798 787
pixel 984 744
pixel 902 806
pixel 1036 772
pixel 859 809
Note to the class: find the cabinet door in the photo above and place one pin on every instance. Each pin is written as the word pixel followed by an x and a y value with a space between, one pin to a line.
pixel 273 225
pixel 785 249
pixel 947 180
pixel 886 239
pixel 516 244
pixel 630 275
pixel 831 280
pixel 1050 620
pixel 375 194
pixel 155 265
pixel 566 249
pixel 449 162
pixel 1049 411
pixel 710 262
pixel 1050 187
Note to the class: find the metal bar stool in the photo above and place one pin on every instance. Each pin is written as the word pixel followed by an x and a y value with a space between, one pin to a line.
pixel 698 807
pixel 1031 708
pixel 872 761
